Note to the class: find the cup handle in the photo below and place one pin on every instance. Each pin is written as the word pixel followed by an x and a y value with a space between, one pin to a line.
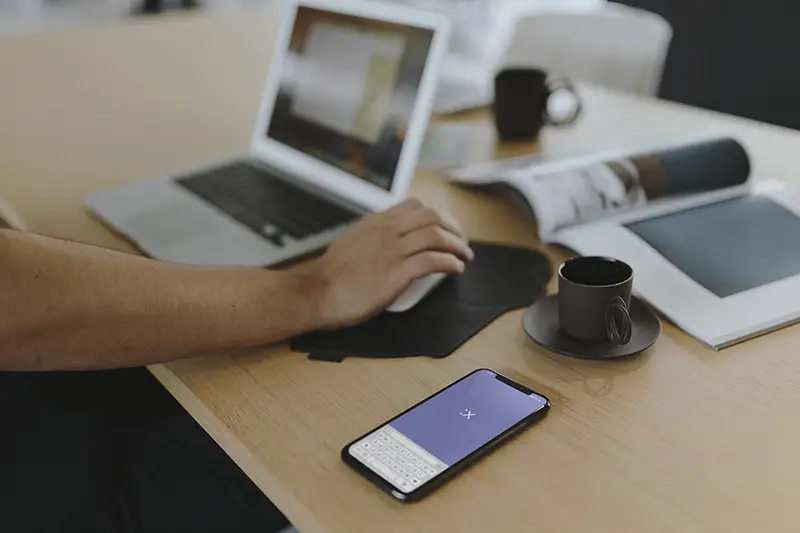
pixel 563 84
pixel 619 327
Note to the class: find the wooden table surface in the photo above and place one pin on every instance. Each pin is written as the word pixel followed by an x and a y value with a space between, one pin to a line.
pixel 681 439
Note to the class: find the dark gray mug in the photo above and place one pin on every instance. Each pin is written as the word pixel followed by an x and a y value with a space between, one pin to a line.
pixel 594 295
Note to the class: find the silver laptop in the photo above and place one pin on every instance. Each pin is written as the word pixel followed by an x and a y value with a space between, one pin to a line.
pixel 464 84
pixel 343 114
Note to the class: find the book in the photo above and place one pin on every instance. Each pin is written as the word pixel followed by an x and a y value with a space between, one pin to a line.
pixel 716 252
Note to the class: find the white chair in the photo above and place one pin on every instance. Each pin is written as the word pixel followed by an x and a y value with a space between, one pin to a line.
pixel 480 34
pixel 612 45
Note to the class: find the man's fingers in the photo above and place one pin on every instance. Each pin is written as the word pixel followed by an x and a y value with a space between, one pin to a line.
pixel 413 215
pixel 437 239
pixel 424 217
pixel 426 263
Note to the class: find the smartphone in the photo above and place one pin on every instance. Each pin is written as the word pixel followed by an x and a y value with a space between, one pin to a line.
pixel 420 449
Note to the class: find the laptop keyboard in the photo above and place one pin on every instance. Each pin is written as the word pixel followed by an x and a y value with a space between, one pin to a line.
pixel 268 205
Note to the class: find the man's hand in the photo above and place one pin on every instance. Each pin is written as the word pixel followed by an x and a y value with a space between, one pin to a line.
pixel 75 306
pixel 367 269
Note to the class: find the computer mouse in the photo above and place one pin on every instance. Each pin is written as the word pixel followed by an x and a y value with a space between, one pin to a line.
pixel 416 292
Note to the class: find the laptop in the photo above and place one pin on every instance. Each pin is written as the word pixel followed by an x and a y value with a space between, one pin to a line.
pixel 343 115
pixel 464 84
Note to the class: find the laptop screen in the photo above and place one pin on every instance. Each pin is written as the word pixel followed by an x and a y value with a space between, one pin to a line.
pixel 347 90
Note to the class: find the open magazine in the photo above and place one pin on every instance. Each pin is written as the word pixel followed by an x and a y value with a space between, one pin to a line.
pixel 717 254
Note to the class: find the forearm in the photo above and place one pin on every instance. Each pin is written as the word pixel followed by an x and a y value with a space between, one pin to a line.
pixel 70 306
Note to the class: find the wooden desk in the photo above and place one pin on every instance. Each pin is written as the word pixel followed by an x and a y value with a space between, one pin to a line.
pixel 682 439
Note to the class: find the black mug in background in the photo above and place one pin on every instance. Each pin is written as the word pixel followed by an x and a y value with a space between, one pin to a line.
pixel 520 103
pixel 594 296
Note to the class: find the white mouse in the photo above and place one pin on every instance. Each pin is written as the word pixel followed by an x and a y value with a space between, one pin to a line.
pixel 415 292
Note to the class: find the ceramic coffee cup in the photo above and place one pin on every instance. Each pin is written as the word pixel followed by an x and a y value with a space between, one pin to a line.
pixel 521 97
pixel 594 298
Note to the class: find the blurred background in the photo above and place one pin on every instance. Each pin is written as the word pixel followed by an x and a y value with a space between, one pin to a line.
pixel 734 56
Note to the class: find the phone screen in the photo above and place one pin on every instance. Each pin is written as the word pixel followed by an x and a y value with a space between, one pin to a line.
pixel 422 443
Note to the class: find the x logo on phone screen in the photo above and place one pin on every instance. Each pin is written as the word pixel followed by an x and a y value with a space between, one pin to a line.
pixel 466 413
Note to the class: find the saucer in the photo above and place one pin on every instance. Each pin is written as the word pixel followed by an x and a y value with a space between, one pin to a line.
pixel 541 325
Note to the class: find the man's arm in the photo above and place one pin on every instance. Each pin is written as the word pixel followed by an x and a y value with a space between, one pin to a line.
pixel 70 306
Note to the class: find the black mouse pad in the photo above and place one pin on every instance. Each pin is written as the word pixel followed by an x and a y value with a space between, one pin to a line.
pixel 499 279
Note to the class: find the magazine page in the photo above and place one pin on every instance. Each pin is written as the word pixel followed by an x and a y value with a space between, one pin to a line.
pixel 586 189
pixel 589 192
pixel 568 197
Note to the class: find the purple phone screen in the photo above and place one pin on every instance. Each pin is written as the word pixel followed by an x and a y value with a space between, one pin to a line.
pixel 445 429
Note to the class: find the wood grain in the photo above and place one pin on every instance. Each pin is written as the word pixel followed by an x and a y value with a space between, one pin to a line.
pixel 681 439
